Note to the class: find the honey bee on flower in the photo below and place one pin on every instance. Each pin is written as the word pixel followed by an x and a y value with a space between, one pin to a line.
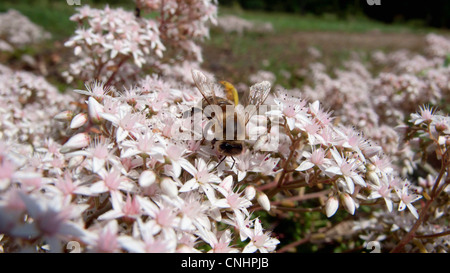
pixel 227 115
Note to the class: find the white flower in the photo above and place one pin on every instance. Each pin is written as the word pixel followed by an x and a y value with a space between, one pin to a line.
pixel 383 190
pixel 232 200
pixel 146 242
pixel 260 240
pixel 316 158
pixel 347 169
pixel 51 218
pixel 202 178
pixel 407 198
pixel 111 181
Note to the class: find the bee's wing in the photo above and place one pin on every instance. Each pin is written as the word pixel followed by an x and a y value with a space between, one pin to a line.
pixel 205 86
pixel 256 96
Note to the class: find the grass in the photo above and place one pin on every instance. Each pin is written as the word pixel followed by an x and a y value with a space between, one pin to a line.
pixel 327 22
pixel 235 57
pixel 52 15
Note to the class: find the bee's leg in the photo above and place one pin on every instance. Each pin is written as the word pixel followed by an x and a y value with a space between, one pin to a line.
pixel 220 162
pixel 234 161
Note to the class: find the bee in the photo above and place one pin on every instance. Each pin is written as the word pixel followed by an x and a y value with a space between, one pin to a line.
pixel 229 112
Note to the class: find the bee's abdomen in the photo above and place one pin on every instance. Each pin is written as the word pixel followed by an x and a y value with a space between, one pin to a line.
pixel 230 148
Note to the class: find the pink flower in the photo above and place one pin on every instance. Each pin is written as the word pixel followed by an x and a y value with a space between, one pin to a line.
pixel 51 219
pixel 162 216
pixel 103 239
pixel 202 178
pixel 260 240
pixel 146 241
pixel 218 245
pixel 126 123
pixel 7 169
pixel 96 89
pixel 426 114
pixel 292 110
pixel 130 209
pixel 236 201
pixel 383 190
pixel 407 198
pixel 69 187
pixel 193 211
pixel 316 158
pixel 99 152
pixel 176 155
pixel 347 169
pixel 145 144
pixel 111 181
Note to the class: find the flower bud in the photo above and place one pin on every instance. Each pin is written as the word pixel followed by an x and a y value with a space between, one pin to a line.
pixel 348 202
pixel 442 140
pixel 371 175
pixel 64 116
pixel 94 109
pixel 263 200
pixel 78 121
pixel 75 161
pixel 147 178
pixel 168 187
pixel 77 141
pixel 77 50
pixel 250 192
pixel 331 206
pixel 260 142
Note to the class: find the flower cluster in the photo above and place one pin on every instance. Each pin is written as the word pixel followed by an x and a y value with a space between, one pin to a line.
pixel 407 80
pixel 17 31
pixel 123 183
pixel 27 101
pixel 427 131
pixel 126 182
pixel 108 39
